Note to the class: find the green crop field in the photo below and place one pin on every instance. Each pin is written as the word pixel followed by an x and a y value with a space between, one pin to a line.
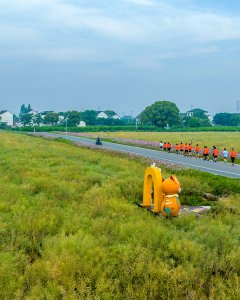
pixel 218 139
pixel 69 228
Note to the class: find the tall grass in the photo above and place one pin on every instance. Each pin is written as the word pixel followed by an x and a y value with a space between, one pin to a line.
pixel 69 230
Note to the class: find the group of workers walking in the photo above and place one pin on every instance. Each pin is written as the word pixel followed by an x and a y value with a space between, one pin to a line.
pixel 187 150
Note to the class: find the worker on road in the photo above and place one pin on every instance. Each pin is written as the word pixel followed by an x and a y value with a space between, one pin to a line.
pixel 186 149
pixel 225 155
pixel 177 149
pixel 181 147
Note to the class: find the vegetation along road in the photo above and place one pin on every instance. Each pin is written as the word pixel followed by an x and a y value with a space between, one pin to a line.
pixel 219 168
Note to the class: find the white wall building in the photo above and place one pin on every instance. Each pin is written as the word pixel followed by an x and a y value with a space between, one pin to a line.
pixel 6 117
pixel 82 124
pixel 116 117
pixel 33 112
pixel 102 115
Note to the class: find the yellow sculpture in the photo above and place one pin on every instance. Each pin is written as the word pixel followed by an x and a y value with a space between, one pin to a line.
pixel 165 192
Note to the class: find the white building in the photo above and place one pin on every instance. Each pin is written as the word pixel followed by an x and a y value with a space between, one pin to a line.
pixel 102 115
pixel 116 117
pixel 82 124
pixel 33 112
pixel 6 117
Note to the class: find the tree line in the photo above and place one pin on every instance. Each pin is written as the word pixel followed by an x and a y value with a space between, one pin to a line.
pixel 161 114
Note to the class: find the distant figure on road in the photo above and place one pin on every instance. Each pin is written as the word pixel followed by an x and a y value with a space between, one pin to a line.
pixel 177 149
pixel 215 154
pixel 197 151
pixel 233 155
pixel 98 141
pixel 164 146
pixel 225 155
pixel 190 150
pixel 169 147
pixel 161 146
pixel 186 149
pixel 181 148
pixel 205 153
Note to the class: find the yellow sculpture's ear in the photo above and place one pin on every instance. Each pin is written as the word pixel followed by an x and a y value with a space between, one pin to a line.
pixel 153 177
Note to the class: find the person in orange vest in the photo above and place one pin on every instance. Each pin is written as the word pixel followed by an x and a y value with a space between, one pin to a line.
pixel 177 149
pixel 164 146
pixel 197 151
pixel 215 154
pixel 169 147
pixel 205 153
pixel 233 155
pixel 181 147
pixel 190 150
pixel 186 149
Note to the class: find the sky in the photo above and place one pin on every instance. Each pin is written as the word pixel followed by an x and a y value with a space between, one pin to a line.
pixel 119 54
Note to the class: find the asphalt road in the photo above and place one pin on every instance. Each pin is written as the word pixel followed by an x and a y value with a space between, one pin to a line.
pixel 219 168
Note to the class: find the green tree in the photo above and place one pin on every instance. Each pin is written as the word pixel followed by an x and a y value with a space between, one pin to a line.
pixel 73 118
pixel 224 119
pixel 110 113
pixel 29 108
pixel 37 119
pixel 161 114
pixel 89 116
pixel 23 109
pixel 26 119
pixel 51 118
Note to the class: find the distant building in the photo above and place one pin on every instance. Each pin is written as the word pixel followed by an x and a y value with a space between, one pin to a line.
pixel 102 115
pixel 33 112
pixel 196 112
pixel 44 113
pixel 6 117
pixel 116 117
pixel 82 124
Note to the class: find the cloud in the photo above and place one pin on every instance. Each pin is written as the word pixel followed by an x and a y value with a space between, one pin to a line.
pixel 142 2
pixel 61 29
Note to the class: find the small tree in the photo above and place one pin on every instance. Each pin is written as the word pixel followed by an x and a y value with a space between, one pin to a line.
pixel 51 118
pixel 37 119
pixel 26 119
pixel 74 118
pixel 23 109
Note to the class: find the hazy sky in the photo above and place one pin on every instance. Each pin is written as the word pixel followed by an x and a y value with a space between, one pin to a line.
pixel 119 54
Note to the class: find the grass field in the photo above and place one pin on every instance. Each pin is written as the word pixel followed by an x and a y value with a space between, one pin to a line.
pixel 69 229
pixel 218 139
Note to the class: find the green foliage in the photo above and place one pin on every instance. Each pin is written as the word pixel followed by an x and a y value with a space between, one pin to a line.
pixel 227 119
pixel 73 118
pixel 51 118
pixel 89 116
pixel 161 114
pixel 69 230
pixel 25 109
pixel 26 119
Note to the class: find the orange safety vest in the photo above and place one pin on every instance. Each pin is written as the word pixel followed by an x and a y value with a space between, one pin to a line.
pixel 233 154
pixel 215 152
pixel 190 147
pixel 177 147
pixel 186 147
pixel 165 146
pixel 197 148
pixel 205 151
pixel 181 146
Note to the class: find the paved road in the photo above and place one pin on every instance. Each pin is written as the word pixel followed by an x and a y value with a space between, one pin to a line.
pixel 219 168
